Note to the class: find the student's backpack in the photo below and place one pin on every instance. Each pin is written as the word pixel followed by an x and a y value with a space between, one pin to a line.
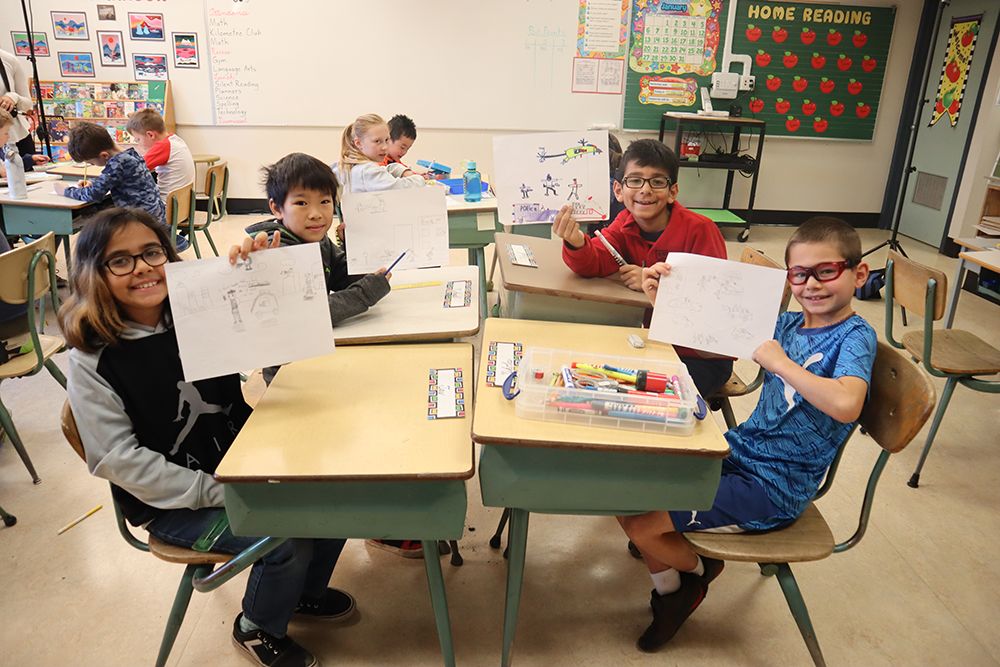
pixel 873 286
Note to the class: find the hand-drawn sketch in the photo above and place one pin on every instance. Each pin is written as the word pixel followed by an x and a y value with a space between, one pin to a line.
pixel 536 172
pixel 258 312
pixel 707 304
pixel 378 226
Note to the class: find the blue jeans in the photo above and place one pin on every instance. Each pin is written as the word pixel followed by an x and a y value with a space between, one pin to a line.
pixel 278 581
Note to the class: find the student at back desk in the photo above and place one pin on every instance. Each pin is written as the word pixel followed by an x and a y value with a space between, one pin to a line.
pixel 652 225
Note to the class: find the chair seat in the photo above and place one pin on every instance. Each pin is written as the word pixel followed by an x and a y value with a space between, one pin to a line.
pixel 808 539
pixel 175 554
pixel 734 387
pixel 25 363
pixel 955 351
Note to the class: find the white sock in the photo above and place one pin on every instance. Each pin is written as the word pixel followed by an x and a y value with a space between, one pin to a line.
pixel 246 625
pixel 666 582
pixel 699 569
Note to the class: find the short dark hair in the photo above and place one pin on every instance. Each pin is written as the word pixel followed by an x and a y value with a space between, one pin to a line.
pixel 650 153
pixel 298 170
pixel 402 126
pixel 88 140
pixel 827 229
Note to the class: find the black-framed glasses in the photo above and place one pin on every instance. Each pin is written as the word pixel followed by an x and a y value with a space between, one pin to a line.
pixel 122 265
pixel 636 183
pixel 825 272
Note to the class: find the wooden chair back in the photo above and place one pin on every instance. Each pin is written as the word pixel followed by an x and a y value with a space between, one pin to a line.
pixel 901 398
pixel 70 431
pixel 910 285
pixel 215 178
pixel 757 258
pixel 180 204
pixel 14 268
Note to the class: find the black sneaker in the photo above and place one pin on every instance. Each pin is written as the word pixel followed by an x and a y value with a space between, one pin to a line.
pixel 266 650
pixel 670 611
pixel 335 605
pixel 713 568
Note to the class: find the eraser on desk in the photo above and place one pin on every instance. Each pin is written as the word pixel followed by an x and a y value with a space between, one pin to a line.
pixel 636 341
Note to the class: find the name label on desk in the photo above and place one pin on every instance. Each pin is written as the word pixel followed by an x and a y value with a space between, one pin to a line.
pixel 458 294
pixel 521 255
pixel 446 395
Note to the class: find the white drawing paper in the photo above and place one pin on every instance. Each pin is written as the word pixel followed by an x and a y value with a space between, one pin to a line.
pixel 537 174
pixel 378 226
pixel 716 305
pixel 271 309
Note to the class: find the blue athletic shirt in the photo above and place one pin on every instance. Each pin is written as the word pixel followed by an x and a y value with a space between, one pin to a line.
pixel 787 443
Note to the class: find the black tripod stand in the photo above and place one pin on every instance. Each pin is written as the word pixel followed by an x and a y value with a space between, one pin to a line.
pixel 893 241
pixel 42 131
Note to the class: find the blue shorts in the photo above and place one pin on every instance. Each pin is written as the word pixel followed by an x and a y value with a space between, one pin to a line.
pixel 739 500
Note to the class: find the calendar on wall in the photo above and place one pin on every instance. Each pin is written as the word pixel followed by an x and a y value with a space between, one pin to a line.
pixel 678 39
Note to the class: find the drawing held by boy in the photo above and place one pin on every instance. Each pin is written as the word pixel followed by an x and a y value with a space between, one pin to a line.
pixel 818 369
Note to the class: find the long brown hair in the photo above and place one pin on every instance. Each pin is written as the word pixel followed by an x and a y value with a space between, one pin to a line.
pixel 91 318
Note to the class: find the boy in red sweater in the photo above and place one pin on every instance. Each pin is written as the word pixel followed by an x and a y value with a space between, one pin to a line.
pixel 652 225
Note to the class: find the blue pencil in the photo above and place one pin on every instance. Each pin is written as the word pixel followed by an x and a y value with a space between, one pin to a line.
pixel 389 270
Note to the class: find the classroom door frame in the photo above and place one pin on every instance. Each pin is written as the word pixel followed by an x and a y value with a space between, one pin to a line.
pixel 908 120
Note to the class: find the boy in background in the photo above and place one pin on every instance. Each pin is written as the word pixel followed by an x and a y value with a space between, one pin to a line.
pixel 818 367
pixel 654 225
pixel 402 134
pixel 124 175
pixel 165 153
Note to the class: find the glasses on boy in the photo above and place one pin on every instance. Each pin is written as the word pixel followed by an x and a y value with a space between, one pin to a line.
pixel 122 265
pixel 824 273
pixel 656 183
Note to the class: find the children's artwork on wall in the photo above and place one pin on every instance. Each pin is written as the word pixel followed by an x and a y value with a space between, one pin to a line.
pixel 379 226
pixel 955 71
pixel 69 25
pixel 716 305
pixel 105 12
pixel 146 26
pixel 232 317
pixel 21 48
pixel 76 64
pixel 150 66
pixel 185 49
pixel 537 174
pixel 110 45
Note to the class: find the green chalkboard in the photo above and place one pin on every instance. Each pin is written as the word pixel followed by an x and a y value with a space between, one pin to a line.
pixel 819 68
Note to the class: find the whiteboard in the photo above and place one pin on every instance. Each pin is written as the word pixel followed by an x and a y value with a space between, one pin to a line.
pixel 462 64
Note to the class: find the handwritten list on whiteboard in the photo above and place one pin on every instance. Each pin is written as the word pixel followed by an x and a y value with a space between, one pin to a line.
pixel 232 31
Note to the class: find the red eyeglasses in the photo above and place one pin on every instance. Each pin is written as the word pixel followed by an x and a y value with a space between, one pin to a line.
pixel 797 275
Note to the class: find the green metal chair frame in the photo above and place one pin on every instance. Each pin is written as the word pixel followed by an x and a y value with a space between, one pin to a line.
pixel 174 215
pixel 35 264
pixel 216 196
pixel 931 310
pixel 199 572
pixel 901 398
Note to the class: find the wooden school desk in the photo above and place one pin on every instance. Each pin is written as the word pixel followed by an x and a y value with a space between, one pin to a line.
pixel 973 259
pixel 410 314
pixel 552 468
pixel 70 172
pixel 42 212
pixel 551 291
pixel 471 225
pixel 330 464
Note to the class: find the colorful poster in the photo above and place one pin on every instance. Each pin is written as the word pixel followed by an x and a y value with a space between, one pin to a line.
pixel 957 62
pixel 21 47
pixel 149 66
pixel 69 25
pixel 603 29
pixel 185 49
pixel 76 64
pixel 110 45
pixel 675 37
pixel 146 26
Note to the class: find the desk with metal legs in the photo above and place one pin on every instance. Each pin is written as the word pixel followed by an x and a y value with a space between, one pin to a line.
pixel 359 459
pixel 553 468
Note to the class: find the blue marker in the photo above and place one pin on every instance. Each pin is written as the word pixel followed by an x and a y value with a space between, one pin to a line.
pixel 636 415
pixel 401 255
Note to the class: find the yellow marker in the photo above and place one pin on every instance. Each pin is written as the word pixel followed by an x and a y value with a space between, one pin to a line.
pixel 432 284
pixel 85 165
pixel 76 521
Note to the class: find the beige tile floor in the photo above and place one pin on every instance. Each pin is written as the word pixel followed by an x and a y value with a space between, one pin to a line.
pixel 921 589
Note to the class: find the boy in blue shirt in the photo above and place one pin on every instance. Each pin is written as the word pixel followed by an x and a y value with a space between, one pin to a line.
pixel 818 369
pixel 125 175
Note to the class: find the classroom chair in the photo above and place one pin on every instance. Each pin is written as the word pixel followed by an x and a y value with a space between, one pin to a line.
pixel 27 274
pixel 901 399
pixel 8 519
pixel 735 386
pixel 947 353
pixel 180 209
pixel 215 196
pixel 199 571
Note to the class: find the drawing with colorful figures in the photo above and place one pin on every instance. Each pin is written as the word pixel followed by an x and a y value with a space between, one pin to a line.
pixel 537 174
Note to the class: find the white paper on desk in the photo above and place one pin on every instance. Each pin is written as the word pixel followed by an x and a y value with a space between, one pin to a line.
pixel 378 226
pixel 716 305
pixel 537 174
pixel 271 309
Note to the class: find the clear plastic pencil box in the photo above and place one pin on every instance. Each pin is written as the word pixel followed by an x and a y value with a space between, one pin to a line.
pixel 670 413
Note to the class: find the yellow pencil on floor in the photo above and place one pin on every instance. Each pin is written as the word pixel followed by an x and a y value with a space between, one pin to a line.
pixel 76 521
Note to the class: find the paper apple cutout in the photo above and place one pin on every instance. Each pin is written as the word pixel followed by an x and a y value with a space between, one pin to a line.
pixel 799 84
pixel 780 34
pixel 808 108
pixel 854 87
pixel 782 106
pixel 808 36
pixel 818 61
pixel 763 59
pixel 868 64
pixel 820 125
pixel 825 85
pixel 843 63
pixel 859 38
pixel 836 108
pixel 863 110
pixel 756 104
pixel 773 82
pixel 833 37
pixel 790 60
pixel 753 33
pixel 792 124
